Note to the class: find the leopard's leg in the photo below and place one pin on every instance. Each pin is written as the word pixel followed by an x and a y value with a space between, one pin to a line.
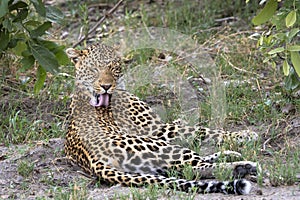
pixel 147 155
pixel 239 169
pixel 219 136
pixel 214 157
pixel 173 132
pixel 135 179
pixel 139 119
pixel 206 166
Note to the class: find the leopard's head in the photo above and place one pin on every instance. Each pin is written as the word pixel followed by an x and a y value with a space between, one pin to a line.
pixel 97 70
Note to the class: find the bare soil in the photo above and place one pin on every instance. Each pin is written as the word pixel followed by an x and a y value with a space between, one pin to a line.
pixel 51 171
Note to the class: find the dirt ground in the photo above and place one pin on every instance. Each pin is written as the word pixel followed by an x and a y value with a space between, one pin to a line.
pixel 52 177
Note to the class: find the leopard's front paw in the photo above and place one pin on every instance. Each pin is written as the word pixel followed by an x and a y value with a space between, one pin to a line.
pixel 239 136
pixel 247 136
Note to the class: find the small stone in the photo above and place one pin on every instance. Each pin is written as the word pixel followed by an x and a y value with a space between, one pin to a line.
pixel 161 56
pixel 207 80
pixel 288 108
pixel 259 192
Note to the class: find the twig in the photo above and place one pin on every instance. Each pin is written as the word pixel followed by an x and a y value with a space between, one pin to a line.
pixel 226 19
pixel 198 74
pixel 150 35
pixel 11 88
pixel 274 137
pixel 237 68
pixel 99 22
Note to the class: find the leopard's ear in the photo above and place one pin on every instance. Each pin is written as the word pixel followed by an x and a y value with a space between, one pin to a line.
pixel 73 53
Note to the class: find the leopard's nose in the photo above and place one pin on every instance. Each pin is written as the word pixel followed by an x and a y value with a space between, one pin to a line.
pixel 106 87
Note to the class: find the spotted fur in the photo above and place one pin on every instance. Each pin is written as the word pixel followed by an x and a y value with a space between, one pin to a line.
pixel 126 142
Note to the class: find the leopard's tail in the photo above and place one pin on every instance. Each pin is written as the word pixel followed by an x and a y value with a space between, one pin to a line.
pixel 239 186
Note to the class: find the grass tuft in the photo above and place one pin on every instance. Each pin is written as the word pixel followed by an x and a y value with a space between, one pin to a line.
pixel 25 168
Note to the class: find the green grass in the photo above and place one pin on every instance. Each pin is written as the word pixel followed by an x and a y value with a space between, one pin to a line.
pixel 284 169
pixel 26 117
pixel 77 190
pixel 252 100
pixel 136 194
pixel 190 17
pixel 25 168
pixel 153 192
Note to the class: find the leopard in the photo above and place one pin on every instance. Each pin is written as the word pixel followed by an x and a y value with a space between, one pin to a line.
pixel 117 138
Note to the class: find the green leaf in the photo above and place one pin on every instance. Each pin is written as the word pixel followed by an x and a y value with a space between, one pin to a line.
pixel 27 63
pixel 266 13
pixel 4 39
pixel 280 37
pixel 261 40
pixel 39 31
pixel 7 23
pixel 292 81
pixel 41 77
pixel 32 23
pixel 49 45
pixel 267 59
pixel 277 20
pixel 39 7
pixel 54 15
pixel 26 53
pixel 286 68
pixel 20 47
pixel 62 57
pixel 290 19
pixel 273 65
pixel 277 50
pixel 292 34
pixel 45 58
pixel 57 50
pixel 294 48
pixel 295 57
pixel 3 7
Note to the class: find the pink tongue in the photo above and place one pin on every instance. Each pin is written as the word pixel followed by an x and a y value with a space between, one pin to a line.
pixel 103 100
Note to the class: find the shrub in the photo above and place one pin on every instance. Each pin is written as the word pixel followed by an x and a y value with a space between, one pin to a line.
pixel 279 43
pixel 23 29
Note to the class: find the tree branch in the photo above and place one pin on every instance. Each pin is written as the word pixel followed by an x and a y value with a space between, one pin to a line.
pixel 92 30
